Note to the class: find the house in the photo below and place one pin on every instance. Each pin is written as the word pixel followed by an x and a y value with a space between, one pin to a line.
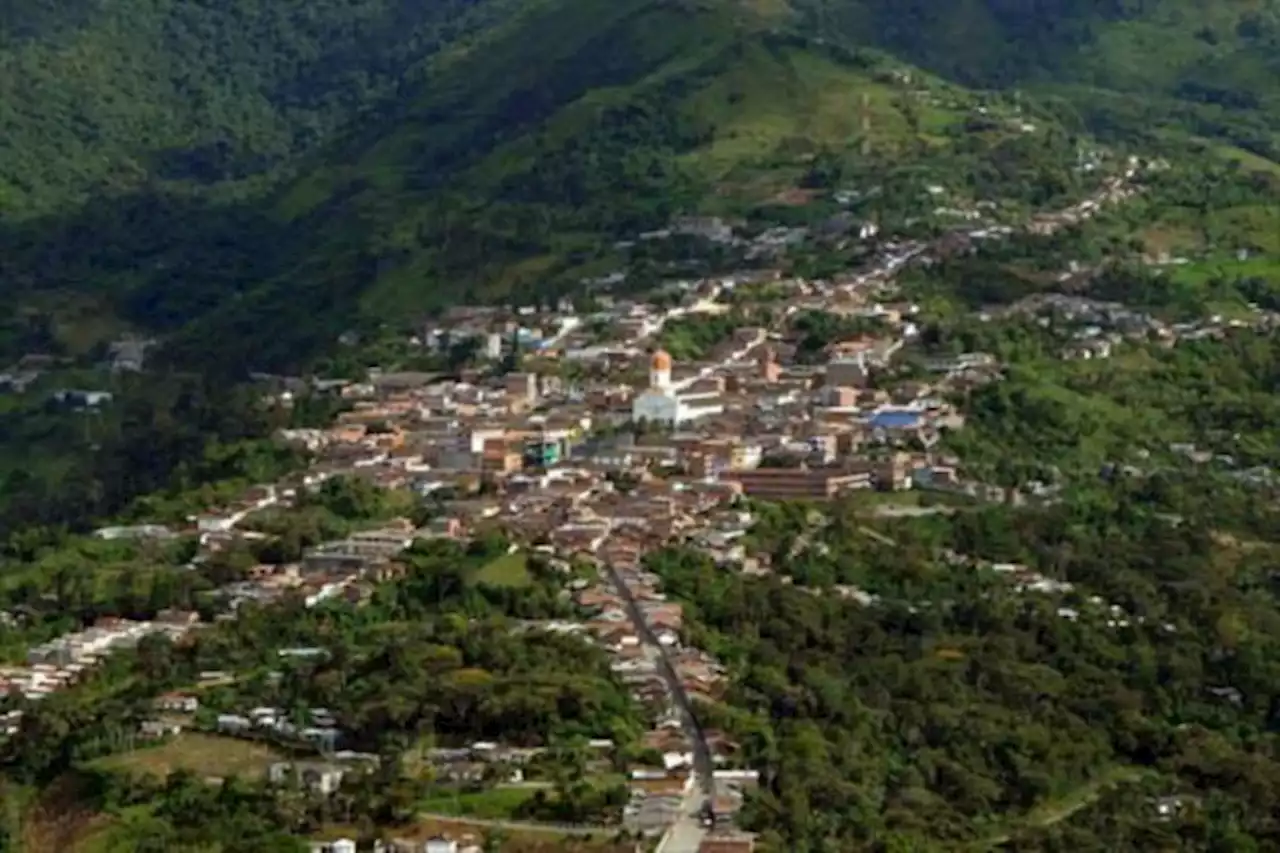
pixel 178 618
pixel 1089 349
pixel 325 738
pixel 319 778
pixel 738 842
pixel 1169 807
pixel 677 758
pixel 723 807
pixel 340 845
pixel 82 399
pixel 440 844
pixel 177 703
pixel 157 729
pixel 233 724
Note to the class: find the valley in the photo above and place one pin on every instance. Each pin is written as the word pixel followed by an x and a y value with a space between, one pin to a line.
pixel 660 426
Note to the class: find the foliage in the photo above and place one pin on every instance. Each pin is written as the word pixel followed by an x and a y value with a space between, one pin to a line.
pixel 1077 416
pixel 166 432
pixel 121 95
pixel 1119 64
pixel 816 330
pixel 432 659
pixel 504 168
pixel 957 709
pixel 691 338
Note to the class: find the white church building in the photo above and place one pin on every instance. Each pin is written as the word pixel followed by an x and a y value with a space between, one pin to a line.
pixel 664 403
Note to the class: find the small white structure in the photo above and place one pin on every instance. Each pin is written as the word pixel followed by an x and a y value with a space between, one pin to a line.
pixel 341 845
pixel 323 779
pixel 440 845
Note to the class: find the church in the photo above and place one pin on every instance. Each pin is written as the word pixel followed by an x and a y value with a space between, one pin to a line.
pixel 663 403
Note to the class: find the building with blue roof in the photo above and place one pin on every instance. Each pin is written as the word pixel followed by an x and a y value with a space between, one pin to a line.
pixel 895 419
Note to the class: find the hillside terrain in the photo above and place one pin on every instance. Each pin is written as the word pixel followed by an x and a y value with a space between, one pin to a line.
pixel 205 169
pixel 973 313
pixel 116 96
pixel 1124 68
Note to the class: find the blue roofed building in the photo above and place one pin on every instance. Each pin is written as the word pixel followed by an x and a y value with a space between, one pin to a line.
pixel 896 419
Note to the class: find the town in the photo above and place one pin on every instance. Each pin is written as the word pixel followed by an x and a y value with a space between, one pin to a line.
pixel 608 435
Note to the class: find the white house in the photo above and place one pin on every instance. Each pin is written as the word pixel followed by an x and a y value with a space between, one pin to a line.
pixel 440 845
pixel 341 845
pixel 319 778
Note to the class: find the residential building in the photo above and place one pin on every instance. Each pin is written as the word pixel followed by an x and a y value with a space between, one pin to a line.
pixel 783 483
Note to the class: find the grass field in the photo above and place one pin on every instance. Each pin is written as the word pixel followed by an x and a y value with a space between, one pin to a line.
pixel 1247 159
pixel 493 804
pixel 204 755
pixel 1227 269
pixel 507 570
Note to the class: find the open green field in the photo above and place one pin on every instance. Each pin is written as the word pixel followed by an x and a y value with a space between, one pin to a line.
pixel 500 803
pixel 507 570
pixel 204 755
pixel 1227 269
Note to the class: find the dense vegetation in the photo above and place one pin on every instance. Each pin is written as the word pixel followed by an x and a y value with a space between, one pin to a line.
pixel 959 710
pixel 119 95
pixel 1212 69
pixel 253 180
pixel 1131 410
pixel 437 658
pixel 65 467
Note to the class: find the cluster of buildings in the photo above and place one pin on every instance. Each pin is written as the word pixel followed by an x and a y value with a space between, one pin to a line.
pixel 1094 328
pixel 602 448
pixel 1115 189
pixel 748 416
pixel 64 660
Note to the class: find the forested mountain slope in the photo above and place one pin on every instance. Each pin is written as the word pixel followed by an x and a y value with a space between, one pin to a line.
pixel 521 160
pixel 207 168
pixel 504 164
pixel 1213 67
pixel 116 94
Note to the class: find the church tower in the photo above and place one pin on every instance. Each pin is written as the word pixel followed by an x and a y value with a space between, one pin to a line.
pixel 660 370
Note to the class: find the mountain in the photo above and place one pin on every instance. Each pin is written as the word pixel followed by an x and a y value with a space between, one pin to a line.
pixel 523 159
pixel 291 182
pixel 112 95
pixel 1211 67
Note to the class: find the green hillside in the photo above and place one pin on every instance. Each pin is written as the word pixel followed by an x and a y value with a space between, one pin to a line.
pixel 525 156
pixel 211 170
pixel 1214 66
pixel 117 95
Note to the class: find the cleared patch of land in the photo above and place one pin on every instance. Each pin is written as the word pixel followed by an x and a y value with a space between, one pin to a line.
pixel 204 755
pixel 500 803
pixel 507 570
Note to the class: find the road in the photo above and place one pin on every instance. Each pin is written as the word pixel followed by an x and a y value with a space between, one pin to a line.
pixel 686 833
pixel 878 536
